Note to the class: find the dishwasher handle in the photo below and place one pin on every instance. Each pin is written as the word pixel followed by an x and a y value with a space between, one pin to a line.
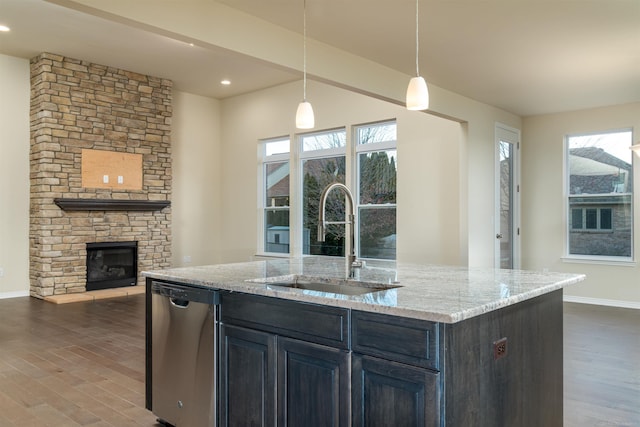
pixel 179 303
pixel 181 295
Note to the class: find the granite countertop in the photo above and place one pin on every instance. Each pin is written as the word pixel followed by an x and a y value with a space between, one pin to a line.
pixel 429 292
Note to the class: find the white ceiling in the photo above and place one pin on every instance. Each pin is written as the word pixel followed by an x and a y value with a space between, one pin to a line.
pixel 525 56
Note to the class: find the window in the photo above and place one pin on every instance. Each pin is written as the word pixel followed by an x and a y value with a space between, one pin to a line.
pixel 366 163
pixel 591 219
pixel 600 194
pixel 323 160
pixel 275 200
pixel 377 162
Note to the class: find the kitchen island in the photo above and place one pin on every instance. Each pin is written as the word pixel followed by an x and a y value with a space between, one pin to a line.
pixel 295 344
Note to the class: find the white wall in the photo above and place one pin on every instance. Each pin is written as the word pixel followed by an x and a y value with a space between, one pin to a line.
pixel 14 176
pixel 196 162
pixel 543 215
pixel 429 170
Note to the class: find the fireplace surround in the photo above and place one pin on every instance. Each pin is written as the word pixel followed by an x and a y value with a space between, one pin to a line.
pixel 111 265
pixel 75 106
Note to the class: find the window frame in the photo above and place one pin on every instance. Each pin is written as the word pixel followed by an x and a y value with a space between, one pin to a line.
pixel 372 147
pixel 583 220
pixel 568 209
pixel 317 154
pixel 296 157
pixel 263 204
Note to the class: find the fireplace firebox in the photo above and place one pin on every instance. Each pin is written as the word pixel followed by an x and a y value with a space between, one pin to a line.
pixel 111 265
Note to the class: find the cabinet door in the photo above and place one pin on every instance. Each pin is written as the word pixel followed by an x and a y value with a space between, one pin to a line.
pixel 247 377
pixel 388 393
pixel 313 385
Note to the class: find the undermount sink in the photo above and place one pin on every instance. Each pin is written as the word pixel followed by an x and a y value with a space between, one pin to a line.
pixel 326 285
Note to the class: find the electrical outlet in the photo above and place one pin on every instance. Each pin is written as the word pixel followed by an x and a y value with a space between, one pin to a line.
pixel 186 259
pixel 120 179
pixel 1 272
pixel 499 348
pixel 105 179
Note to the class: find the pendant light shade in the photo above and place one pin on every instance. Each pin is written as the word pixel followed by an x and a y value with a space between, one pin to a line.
pixel 304 116
pixel 417 92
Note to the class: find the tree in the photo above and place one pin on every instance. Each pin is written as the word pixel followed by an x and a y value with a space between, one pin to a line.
pixel 377 187
pixel 318 174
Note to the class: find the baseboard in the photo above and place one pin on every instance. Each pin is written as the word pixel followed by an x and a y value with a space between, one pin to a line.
pixel 15 294
pixel 600 301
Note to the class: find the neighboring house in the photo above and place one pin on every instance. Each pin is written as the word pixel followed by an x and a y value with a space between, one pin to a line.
pixel 278 239
pixel 278 185
pixel 277 228
pixel 600 187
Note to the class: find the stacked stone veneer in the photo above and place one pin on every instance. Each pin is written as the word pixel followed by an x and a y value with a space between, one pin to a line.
pixel 75 105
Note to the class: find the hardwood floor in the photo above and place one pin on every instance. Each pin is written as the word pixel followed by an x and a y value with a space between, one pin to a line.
pixel 82 364
pixel 79 364
pixel 601 366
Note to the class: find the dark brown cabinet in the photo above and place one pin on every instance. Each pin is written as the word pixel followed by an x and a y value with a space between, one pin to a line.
pixel 247 387
pixel 290 363
pixel 311 387
pixel 270 376
pixel 313 384
pixel 394 376
pixel 387 393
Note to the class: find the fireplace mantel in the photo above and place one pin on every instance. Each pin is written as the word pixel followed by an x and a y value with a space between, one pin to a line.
pixel 110 204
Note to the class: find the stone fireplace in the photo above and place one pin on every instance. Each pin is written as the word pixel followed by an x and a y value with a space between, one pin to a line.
pixel 76 106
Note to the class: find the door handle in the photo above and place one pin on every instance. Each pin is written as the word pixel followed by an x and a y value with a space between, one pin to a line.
pixel 499 236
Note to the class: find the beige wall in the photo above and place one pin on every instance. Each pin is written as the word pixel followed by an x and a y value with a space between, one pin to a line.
pixel 219 138
pixel 14 176
pixel 543 215
pixel 217 25
pixel 246 118
pixel 196 151
pixel 429 168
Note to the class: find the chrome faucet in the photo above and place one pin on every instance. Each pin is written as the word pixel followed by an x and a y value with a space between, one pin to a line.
pixel 353 265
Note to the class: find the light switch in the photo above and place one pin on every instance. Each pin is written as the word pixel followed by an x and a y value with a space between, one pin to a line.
pixel 105 179
pixel 120 179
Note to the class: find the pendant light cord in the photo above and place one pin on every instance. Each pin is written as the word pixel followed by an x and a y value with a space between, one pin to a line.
pixel 304 51
pixel 417 40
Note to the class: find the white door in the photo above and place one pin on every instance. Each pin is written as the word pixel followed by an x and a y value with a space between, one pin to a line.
pixel 507 215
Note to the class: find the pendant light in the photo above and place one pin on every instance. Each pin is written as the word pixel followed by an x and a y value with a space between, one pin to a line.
pixel 417 92
pixel 304 115
pixel 635 148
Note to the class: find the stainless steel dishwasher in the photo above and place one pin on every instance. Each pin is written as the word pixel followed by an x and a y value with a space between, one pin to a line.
pixel 183 354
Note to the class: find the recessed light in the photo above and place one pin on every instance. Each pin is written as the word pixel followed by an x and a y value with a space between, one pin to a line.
pixel 225 82
pixel 191 44
pixel 4 28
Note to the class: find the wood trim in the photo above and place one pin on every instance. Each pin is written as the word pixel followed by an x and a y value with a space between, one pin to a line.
pixel 110 205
